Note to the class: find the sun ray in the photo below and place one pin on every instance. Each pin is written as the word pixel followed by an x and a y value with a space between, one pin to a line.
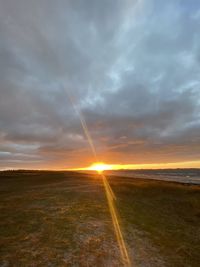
pixel 115 220
pixel 100 167
pixel 83 124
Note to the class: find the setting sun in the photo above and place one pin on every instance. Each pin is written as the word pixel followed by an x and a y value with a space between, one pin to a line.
pixel 100 167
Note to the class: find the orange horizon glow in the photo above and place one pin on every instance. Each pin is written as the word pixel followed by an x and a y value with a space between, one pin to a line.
pixel 171 165
pixel 80 166
pixel 101 166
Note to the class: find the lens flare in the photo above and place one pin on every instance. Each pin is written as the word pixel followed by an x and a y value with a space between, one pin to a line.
pixel 83 124
pixel 122 246
pixel 100 167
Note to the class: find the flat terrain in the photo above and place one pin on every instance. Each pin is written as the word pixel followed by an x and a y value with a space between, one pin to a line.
pixel 186 176
pixel 62 219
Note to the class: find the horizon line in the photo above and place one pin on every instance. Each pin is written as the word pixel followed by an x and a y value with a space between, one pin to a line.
pixel 146 166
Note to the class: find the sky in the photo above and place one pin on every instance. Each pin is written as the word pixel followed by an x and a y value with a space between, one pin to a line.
pixel 131 69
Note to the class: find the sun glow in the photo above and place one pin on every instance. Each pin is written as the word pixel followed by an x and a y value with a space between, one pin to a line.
pixel 100 167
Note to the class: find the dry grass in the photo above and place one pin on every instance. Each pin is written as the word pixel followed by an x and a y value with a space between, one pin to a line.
pixel 62 219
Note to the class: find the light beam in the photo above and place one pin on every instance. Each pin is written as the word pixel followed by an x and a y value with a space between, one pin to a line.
pixel 109 193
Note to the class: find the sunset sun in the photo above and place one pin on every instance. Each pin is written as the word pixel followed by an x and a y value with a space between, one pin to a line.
pixel 100 167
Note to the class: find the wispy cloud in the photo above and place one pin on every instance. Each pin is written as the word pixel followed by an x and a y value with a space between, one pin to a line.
pixel 132 66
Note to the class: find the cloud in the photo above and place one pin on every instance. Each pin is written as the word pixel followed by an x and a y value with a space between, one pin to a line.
pixel 132 68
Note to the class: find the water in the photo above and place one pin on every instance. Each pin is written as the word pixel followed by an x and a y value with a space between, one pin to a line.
pixel 188 176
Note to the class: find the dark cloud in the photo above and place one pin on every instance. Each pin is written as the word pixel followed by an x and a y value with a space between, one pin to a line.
pixel 131 67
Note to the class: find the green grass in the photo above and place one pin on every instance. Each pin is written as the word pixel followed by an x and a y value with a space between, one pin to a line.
pixel 62 219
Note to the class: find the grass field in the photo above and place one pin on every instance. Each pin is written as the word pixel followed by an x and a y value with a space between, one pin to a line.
pixel 62 219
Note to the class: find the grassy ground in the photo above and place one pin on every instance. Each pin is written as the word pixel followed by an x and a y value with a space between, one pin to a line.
pixel 62 219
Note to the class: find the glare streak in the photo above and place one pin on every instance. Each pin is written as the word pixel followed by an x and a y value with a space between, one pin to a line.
pixel 84 126
pixel 109 193
pixel 115 220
